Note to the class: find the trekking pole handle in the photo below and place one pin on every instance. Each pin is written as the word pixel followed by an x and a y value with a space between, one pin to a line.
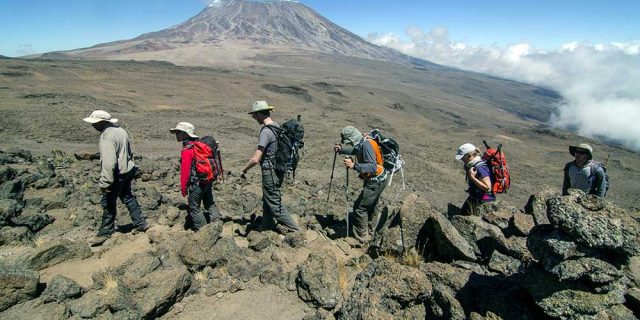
pixel 486 144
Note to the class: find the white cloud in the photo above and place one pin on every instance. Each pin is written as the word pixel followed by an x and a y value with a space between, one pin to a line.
pixel 601 82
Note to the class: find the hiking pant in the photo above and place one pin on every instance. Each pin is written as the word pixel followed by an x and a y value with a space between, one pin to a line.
pixel 273 210
pixel 363 217
pixel 121 188
pixel 470 206
pixel 197 218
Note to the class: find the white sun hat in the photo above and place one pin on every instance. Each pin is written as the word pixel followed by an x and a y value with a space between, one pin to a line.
pixel 465 149
pixel 259 106
pixel 99 115
pixel 185 127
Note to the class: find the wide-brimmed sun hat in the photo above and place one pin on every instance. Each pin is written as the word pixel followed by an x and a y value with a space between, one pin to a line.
pixel 350 134
pixel 185 127
pixel 465 149
pixel 98 116
pixel 582 146
pixel 260 106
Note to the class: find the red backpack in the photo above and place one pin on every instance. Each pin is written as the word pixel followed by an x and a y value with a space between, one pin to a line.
pixel 497 163
pixel 207 161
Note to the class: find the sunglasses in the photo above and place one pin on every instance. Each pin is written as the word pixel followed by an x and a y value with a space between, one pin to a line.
pixel 581 152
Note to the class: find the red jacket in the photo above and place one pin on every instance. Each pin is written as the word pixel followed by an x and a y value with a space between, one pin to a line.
pixel 186 160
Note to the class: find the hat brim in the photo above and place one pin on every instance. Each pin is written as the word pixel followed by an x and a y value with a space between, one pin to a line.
pixel 174 130
pixel 459 156
pixel 95 120
pixel 269 108
pixel 573 149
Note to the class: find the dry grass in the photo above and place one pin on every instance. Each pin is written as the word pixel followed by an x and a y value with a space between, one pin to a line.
pixel 39 241
pixel 200 276
pixel 110 282
pixel 412 259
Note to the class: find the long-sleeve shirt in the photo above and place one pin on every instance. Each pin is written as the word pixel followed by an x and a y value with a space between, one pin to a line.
pixel 584 179
pixel 186 159
pixel 116 157
pixel 365 157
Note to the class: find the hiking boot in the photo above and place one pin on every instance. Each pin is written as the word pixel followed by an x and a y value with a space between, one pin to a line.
pixel 99 240
pixel 282 229
pixel 355 243
pixel 141 228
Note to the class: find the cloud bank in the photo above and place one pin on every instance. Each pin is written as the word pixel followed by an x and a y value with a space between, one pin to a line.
pixel 600 83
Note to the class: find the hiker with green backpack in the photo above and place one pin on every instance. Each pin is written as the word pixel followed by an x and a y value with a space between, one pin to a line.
pixel 200 166
pixel 584 173
pixel 272 155
pixel 369 163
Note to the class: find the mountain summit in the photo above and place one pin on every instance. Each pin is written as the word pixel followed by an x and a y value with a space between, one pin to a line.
pixel 237 29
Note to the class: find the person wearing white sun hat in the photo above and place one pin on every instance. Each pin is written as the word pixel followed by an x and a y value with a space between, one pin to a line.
pixel 479 178
pixel 117 173
pixel 198 191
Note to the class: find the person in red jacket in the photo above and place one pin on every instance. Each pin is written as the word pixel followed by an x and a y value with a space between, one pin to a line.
pixel 196 190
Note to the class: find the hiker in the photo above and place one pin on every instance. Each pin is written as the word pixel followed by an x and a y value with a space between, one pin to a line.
pixel 274 213
pixel 369 164
pixel 478 177
pixel 117 173
pixel 198 190
pixel 583 173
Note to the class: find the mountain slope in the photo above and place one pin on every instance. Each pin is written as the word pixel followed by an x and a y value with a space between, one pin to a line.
pixel 239 29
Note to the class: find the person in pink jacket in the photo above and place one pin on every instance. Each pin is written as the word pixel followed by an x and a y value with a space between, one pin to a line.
pixel 197 191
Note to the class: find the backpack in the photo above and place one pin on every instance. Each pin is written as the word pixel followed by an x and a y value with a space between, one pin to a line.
pixel 207 161
pixel 393 161
pixel 295 130
pixel 284 158
pixel 593 167
pixel 497 163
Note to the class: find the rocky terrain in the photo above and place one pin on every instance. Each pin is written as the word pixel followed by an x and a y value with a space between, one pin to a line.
pixel 531 255
pixel 572 257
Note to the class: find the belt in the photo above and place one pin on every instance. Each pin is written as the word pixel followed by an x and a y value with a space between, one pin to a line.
pixel 379 178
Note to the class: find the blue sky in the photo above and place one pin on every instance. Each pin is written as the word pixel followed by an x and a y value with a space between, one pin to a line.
pixel 30 26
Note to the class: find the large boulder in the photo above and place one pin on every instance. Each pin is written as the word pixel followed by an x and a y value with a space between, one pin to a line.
pixel 37 310
pixel 595 223
pixel 7 173
pixel 196 252
pixel 12 189
pixel 35 222
pixel 440 235
pixel 56 252
pixel 15 236
pixel 9 208
pixel 487 238
pixel 317 280
pixel 459 290
pixel 387 290
pixel 17 284
pixel 61 289
pixel 537 206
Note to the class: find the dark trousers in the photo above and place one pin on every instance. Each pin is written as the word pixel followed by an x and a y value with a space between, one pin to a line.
pixel 470 206
pixel 273 210
pixel 363 216
pixel 121 188
pixel 201 194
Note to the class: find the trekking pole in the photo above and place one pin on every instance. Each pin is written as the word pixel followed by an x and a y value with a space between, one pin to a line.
pixel 606 162
pixel 486 145
pixel 347 195
pixel 404 250
pixel 335 155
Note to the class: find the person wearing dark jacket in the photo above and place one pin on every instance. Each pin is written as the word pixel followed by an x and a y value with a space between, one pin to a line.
pixel 197 191
pixel 116 175
pixel 583 173
pixel 369 165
